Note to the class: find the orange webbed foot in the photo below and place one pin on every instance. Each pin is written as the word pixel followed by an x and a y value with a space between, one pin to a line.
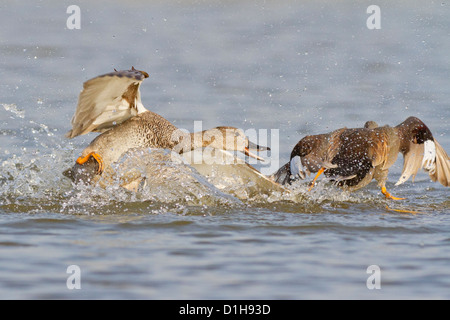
pixel 96 156
pixel 389 196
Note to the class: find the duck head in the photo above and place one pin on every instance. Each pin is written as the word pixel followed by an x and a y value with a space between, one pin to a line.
pixel 231 139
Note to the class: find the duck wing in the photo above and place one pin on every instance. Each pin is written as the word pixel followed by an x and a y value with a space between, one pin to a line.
pixel 316 151
pixel 431 157
pixel 441 172
pixel 412 162
pixel 106 101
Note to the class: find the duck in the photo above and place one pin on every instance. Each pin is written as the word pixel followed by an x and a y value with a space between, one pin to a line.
pixel 241 179
pixel 111 105
pixel 353 157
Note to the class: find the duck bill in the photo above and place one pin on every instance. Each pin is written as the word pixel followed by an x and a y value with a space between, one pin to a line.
pixel 253 146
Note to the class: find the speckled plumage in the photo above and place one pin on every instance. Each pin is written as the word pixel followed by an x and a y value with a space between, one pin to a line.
pixel 146 130
pixel 354 157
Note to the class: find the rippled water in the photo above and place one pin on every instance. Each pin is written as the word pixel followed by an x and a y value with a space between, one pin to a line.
pixel 302 67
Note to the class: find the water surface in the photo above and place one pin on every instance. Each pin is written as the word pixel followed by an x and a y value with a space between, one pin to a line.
pixel 302 67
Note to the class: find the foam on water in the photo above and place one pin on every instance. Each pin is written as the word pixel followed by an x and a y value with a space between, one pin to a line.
pixel 14 110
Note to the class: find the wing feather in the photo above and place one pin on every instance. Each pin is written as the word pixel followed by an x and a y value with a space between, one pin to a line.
pixel 442 171
pixel 107 100
pixel 412 162
pixel 431 157
pixel 379 149
pixel 333 145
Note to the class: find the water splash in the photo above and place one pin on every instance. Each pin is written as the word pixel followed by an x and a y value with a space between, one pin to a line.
pixel 31 180
pixel 14 110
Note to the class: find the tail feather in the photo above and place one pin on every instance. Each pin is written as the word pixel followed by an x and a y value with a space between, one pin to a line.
pixel 283 175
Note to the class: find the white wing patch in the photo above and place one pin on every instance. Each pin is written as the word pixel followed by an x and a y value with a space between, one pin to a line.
pixel 442 171
pixel 429 157
pixel 139 106
pixel 419 155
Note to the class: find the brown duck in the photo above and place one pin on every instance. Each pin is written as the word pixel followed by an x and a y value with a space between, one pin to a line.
pixel 111 104
pixel 353 157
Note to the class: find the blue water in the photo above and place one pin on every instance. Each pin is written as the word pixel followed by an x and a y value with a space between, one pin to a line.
pixel 302 67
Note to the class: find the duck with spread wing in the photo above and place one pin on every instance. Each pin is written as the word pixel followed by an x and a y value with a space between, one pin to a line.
pixel 111 104
pixel 354 157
